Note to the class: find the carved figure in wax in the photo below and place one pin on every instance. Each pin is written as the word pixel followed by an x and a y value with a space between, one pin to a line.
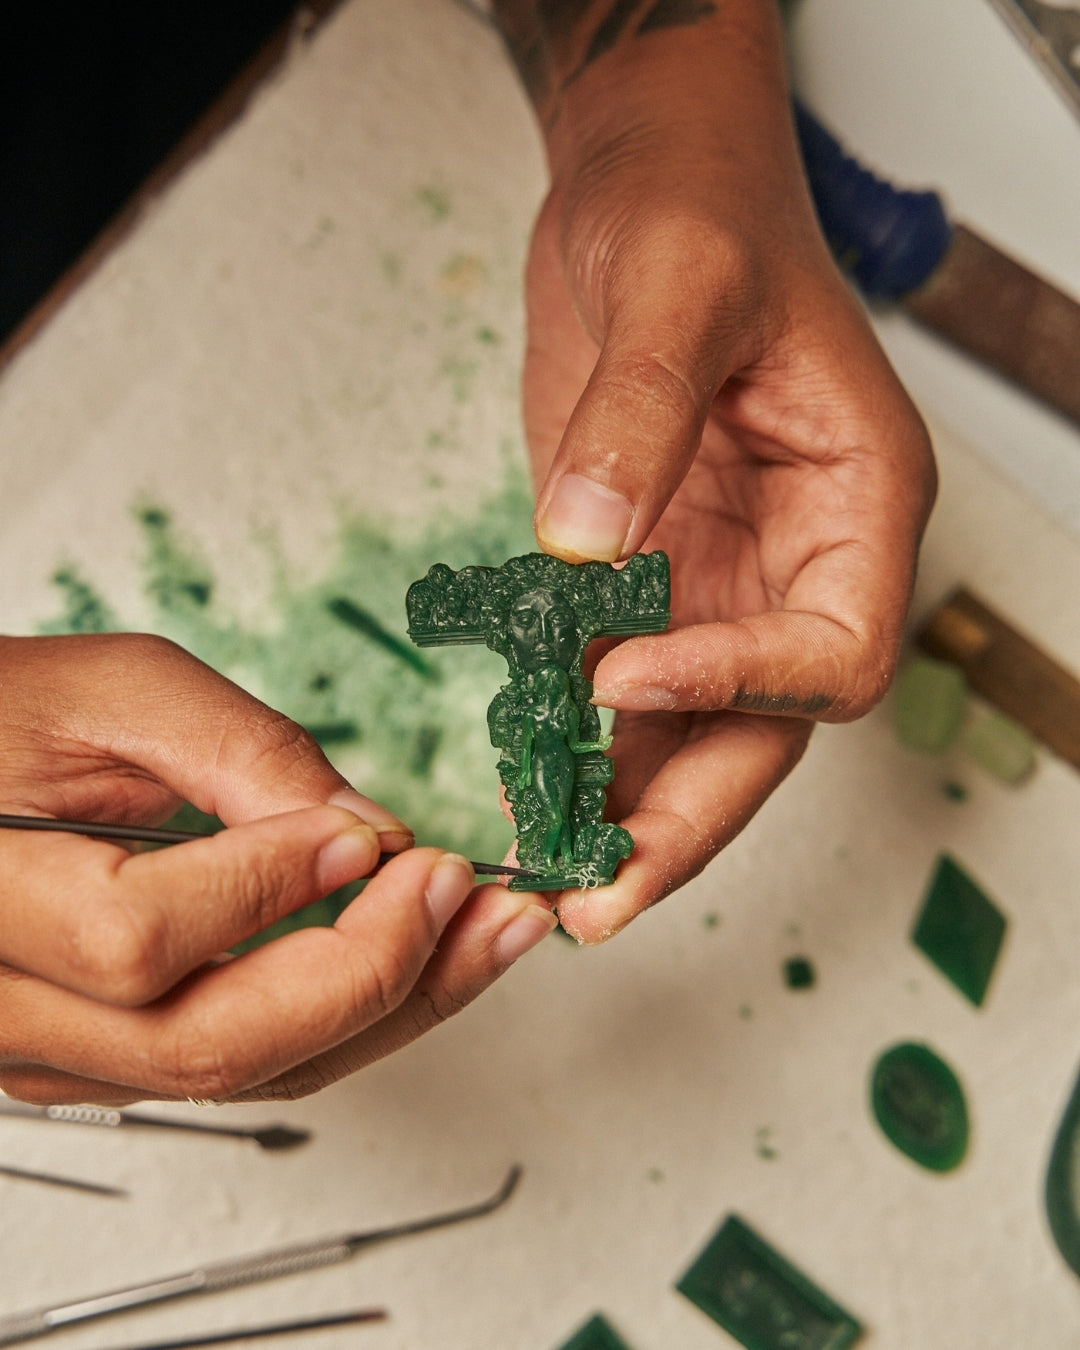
pixel 540 613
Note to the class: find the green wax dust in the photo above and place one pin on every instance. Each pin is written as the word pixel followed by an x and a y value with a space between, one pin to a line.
pixel 919 1104
pixel 960 929
pixel 760 1298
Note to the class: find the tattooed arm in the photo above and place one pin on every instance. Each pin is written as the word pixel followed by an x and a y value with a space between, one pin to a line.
pixel 699 379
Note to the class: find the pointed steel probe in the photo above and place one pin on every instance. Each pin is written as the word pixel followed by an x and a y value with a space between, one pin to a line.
pixel 26 1326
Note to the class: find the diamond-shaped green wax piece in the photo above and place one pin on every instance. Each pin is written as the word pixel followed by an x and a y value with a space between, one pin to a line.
pixel 929 701
pixel 960 929
pixel 757 1296
pixel 596 1334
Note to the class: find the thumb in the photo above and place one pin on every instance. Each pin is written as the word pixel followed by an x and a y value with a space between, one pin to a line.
pixel 670 342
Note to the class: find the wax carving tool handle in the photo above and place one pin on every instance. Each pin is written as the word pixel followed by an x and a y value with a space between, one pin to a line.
pixel 19 1327
pixel 898 245
pixel 889 240
pixel 211 1279
pixel 274 1137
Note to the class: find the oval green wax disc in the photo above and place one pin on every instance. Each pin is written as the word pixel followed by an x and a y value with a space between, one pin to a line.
pixel 920 1106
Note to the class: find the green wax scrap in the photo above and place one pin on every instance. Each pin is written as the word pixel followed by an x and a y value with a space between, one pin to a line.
pixel 960 929
pixel 929 702
pixel 799 973
pixel 1000 745
pixel 596 1334
pixel 920 1106
pixel 760 1298
pixel 1062 1190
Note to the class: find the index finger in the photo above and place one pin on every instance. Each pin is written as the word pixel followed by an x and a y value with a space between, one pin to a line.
pixel 123 927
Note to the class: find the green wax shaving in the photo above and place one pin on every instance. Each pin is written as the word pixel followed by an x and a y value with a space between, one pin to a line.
pixel 929 703
pixel 799 973
pixel 960 929
pixel 350 614
pixel 596 1334
pixel 919 1104
pixel 416 743
pixel 760 1298
pixel 84 610
pixel 1000 745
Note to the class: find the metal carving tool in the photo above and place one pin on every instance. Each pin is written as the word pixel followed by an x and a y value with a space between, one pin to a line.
pixel 268 1329
pixel 68 1183
pixel 269 1137
pixel 1052 34
pixel 100 829
pixel 899 245
pixel 25 1326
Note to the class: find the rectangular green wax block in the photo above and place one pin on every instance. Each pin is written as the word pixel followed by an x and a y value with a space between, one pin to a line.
pixel 960 929
pixel 596 1334
pixel 760 1298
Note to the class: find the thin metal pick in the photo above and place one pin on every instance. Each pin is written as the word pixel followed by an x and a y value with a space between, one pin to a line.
pixel 18 1327
pixel 267 1137
pixel 147 834
pixel 68 1183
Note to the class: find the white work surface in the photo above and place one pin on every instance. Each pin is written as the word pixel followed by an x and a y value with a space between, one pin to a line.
pixel 321 323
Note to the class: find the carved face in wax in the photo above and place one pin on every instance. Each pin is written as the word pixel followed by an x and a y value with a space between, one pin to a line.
pixel 543 630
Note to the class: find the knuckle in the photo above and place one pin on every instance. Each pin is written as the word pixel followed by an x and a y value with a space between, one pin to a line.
pixel 268 743
pixel 380 984
pixel 199 1067
pixel 115 951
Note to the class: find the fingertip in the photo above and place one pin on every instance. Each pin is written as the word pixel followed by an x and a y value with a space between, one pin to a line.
pixel 346 857
pixel 449 882
pixel 583 520
pixel 394 834
pixel 525 930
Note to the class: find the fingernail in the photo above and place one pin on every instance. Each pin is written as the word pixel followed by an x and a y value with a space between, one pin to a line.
pixel 524 931
pixel 636 698
pixel 348 856
pixel 585 520
pixel 450 882
pixel 394 835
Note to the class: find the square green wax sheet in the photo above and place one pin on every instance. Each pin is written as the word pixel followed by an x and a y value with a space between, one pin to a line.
pixel 596 1334
pixel 960 929
pixel 757 1296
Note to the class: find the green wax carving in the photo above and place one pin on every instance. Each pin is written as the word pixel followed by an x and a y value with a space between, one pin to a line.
pixel 960 929
pixel 760 1298
pixel 596 1334
pixel 1062 1190
pixel 540 613
pixel 920 1106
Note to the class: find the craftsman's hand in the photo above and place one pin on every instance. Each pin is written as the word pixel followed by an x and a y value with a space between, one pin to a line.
pixel 699 379
pixel 112 982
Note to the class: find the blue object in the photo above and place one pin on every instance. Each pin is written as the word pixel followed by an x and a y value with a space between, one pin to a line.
pixel 888 239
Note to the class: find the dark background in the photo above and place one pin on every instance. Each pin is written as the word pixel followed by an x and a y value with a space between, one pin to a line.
pixel 92 98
